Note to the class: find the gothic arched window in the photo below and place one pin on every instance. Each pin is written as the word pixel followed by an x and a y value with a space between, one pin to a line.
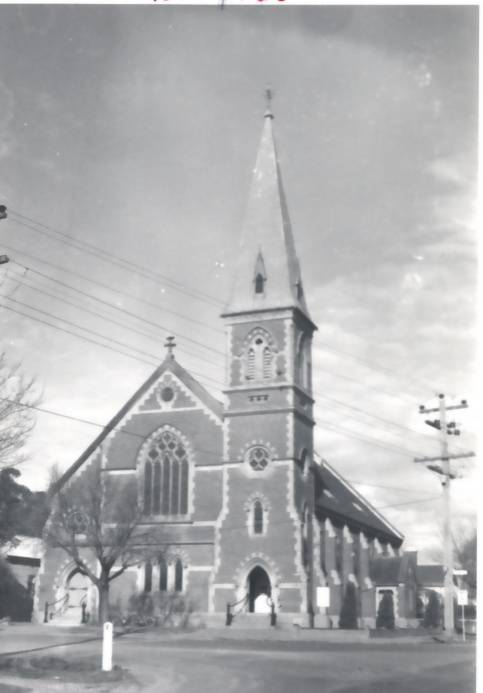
pixel 163 575
pixel 259 356
pixel 305 537
pixel 178 575
pixel 166 472
pixel 259 284
pixel 148 577
pixel 303 362
pixel 257 517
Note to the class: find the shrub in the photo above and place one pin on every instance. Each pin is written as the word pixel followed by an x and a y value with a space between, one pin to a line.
pixel 348 612
pixel 432 613
pixel 419 608
pixel 170 609
pixel 141 605
pixel 385 612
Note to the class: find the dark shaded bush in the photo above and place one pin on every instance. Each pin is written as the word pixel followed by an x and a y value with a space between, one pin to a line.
pixel 385 612
pixel 432 613
pixel 348 612
pixel 15 601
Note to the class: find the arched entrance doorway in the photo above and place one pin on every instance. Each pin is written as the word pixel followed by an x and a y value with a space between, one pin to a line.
pixel 259 590
pixel 76 588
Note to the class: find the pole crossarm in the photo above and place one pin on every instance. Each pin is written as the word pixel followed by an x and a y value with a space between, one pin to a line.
pixel 423 410
pixel 441 459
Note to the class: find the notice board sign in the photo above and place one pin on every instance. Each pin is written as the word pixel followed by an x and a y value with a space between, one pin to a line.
pixel 323 597
pixel 462 596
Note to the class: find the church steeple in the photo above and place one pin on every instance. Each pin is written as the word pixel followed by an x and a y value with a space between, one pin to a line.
pixel 267 240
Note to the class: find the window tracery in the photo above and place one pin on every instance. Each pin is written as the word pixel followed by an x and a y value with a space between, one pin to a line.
pixel 258 458
pixel 166 475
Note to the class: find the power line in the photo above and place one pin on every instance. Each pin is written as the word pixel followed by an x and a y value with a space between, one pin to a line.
pixel 352 434
pixel 367 439
pixel 368 364
pixel 117 290
pixel 411 502
pixel 87 339
pixel 89 422
pixel 375 416
pixel 89 247
pixel 345 432
pixel 111 305
pixel 103 317
pixel 118 308
pixel 109 257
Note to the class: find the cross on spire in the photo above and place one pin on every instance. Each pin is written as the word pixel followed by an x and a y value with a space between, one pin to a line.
pixel 170 345
pixel 268 97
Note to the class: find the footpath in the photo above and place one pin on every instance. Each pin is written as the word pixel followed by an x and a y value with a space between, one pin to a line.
pixel 21 638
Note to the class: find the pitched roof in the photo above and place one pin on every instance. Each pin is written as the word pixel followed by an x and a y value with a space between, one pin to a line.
pixel 430 575
pixel 168 365
pixel 267 240
pixel 385 571
pixel 393 570
pixel 336 498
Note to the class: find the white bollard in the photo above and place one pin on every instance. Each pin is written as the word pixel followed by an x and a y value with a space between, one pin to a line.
pixel 107 647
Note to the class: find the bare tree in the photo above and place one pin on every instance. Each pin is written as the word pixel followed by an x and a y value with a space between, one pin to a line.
pixel 465 546
pixel 18 397
pixel 94 518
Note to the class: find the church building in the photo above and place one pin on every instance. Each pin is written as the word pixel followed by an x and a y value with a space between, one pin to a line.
pixel 252 516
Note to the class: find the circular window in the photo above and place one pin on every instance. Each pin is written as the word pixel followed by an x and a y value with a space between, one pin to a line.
pixel 258 458
pixel 167 394
pixel 77 521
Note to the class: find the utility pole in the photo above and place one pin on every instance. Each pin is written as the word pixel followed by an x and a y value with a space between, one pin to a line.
pixel 445 430
pixel 3 215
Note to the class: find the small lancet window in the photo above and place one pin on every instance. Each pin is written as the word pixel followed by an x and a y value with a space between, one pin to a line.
pixel 259 284
pixel 260 276
pixel 148 577
pixel 257 517
pixel 163 575
pixel 178 575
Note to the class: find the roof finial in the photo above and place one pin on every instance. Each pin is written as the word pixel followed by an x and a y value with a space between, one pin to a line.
pixel 170 344
pixel 268 97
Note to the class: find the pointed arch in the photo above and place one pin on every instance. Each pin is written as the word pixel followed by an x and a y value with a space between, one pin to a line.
pixel 258 517
pixel 260 276
pixel 303 361
pixel 148 576
pixel 163 574
pixel 178 575
pixel 259 355
pixel 165 464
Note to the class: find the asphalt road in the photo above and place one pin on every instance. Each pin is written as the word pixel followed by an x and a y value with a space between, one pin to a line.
pixel 244 667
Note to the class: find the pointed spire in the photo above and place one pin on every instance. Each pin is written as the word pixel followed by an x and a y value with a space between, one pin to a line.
pixel 267 238
pixel 268 109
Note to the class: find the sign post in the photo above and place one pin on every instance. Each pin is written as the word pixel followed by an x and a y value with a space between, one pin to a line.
pixel 463 601
pixel 107 647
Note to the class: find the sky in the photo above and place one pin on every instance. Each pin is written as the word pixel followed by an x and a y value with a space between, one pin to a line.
pixel 134 129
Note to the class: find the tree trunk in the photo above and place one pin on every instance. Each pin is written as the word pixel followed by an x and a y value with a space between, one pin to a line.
pixel 103 589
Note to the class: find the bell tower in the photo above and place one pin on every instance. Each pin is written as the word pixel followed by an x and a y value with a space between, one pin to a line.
pixel 265 524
